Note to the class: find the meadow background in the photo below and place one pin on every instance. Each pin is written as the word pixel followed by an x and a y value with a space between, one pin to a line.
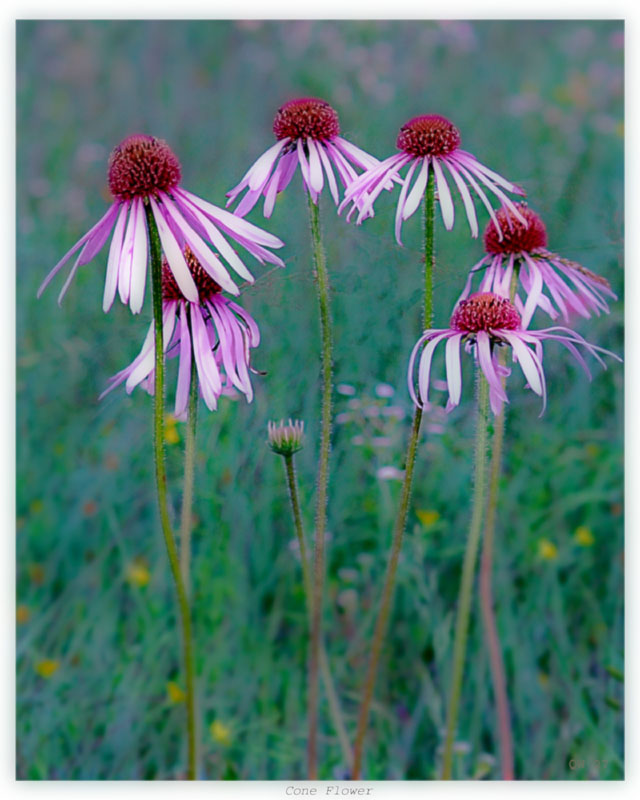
pixel 98 671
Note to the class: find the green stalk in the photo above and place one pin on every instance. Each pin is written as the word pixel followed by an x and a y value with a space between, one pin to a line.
pixel 322 285
pixel 186 519
pixel 161 484
pixel 325 670
pixel 468 569
pixel 429 249
pixel 401 518
pixel 496 662
pixel 387 595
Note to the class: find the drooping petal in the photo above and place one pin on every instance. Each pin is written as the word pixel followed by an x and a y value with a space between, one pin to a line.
pixel 331 179
pixel 115 251
pixel 426 338
pixel 402 200
pixel 479 167
pixel 262 168
pixel 315 167
pixel 483 346
pixel 454 368
pixel 184 367
pixel 139 257
pixel 469 207
pixel 106 222
pixel 444 194
pixel 417 192
pixel 174 254
pixel 208 373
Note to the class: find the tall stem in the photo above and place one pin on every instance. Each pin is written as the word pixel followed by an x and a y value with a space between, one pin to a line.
pixel 325 670
pixel 468 569
pixel 161 484
pixel 401 518
pixel 429 249
pixel 387 595
pixel 186 519
pixel 496 663
pixel 322 285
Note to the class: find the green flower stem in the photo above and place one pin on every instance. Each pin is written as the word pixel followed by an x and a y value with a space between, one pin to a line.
pixel 401 518
pixel 468 569
pixel 387 595
pixel 322 284
pixel 496 662
pixel 325 670
pixel 429 249
pixel 186 519
pixel 161 483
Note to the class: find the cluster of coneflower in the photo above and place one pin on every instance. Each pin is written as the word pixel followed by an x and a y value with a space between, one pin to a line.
pixel 190 246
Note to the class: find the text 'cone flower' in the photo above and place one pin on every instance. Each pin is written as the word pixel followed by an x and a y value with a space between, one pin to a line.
pixel 143 171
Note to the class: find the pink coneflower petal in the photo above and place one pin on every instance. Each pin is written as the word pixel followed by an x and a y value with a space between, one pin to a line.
pixel 477 166
pixel 444 196
pixel 417 192
pixel 174 255
pixel 147 357
pixel 402 200
pixel 454 368
pixel 111 281
pixel 94 234
pixel 315 167
pixel 124 266
pixel 331 180
pixel 469 207
pixel 262 168
pixel 184 368
pixel 474 184
pixel 208 373
pixel 207 258
pixel 424 367
pixel 485 359
pixel 139 256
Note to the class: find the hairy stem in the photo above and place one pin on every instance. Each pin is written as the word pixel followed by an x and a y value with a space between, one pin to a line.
pixel 496 663
pixel 468 569
pixel 187 491
pixel 401 518
pixel 325 669
pixel 429 249
pixel 161 484
pixel 322 285
pixel 387 595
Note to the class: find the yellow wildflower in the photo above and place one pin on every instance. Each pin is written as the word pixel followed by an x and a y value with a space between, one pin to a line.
pixel 36 506
pixel 583 536
pixel 175 693
pixel 47 667
pixel 427 517
pixel 220 733
pixel 547 550
pixel 22 614
pixel 138 573
pixel 171 435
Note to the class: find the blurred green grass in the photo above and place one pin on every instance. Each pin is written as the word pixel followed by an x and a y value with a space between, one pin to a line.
pixel 540 102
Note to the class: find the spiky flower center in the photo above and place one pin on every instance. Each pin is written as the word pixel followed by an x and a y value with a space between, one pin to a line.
pixel 205 284
pixel 485 311
pixel 516 237
pixel 429 135
pixel 141 166
pixel 306 117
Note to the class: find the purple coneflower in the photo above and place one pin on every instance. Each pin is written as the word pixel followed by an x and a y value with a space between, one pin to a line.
pixel 511 245
pixel 215 330
pixel 144 170
pixel 484 322
pixel 424 141
pixel 307 130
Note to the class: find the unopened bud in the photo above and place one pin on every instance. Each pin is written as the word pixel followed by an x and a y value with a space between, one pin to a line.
pixel 286 438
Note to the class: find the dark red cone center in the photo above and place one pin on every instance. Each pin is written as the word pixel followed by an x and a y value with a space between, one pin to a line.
pixel 516 237
pixel 429 135
pixel 306 117
pixel 485 311
pixel 205 284
pixel 141 166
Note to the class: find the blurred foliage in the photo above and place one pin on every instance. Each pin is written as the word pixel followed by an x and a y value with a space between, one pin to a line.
pixel 540 102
